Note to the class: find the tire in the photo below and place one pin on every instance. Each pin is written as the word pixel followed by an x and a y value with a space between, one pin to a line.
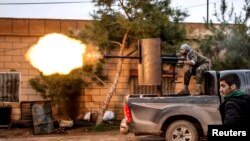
pixel 181 130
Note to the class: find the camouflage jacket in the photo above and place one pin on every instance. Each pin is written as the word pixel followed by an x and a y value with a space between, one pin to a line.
pixel 197 58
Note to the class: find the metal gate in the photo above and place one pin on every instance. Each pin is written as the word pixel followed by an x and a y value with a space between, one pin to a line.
pixel 9 86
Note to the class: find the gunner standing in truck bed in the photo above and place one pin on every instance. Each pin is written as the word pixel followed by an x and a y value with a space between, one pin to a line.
pixel 197 65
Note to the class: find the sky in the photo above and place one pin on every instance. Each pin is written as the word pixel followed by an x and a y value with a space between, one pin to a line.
pixel 80 9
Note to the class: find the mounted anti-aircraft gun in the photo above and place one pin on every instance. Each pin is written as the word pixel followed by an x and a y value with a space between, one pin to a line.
pixel 150 62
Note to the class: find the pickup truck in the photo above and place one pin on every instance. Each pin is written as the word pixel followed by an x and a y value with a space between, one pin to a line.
pixel 178 117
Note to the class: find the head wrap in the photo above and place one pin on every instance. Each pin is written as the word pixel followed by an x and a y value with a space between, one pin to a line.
pixel 186 47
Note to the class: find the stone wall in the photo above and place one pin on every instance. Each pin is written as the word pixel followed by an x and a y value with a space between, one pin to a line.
pixel 17 35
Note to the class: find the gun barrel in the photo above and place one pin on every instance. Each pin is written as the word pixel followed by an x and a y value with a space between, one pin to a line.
pixel 170 59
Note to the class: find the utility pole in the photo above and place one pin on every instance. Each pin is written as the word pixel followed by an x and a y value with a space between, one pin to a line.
pixel 207 11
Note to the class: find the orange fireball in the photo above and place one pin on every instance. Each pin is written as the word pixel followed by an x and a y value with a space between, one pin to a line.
pixel 56 53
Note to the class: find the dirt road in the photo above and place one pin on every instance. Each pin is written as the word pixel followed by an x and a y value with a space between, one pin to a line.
pixel 77 134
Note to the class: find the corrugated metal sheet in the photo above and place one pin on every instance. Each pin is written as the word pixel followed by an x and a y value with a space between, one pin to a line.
pixel 42 117
pixel 9 86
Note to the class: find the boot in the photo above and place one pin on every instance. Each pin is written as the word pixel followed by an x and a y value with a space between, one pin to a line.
pixel 198 90
pixel 184 90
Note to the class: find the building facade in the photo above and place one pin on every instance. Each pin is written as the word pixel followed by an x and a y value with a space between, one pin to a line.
pixel 18 35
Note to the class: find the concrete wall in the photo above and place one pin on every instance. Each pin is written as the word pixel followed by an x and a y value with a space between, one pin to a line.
pixel 17 35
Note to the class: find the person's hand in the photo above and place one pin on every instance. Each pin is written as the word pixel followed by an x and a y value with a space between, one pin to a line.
pixel 181 62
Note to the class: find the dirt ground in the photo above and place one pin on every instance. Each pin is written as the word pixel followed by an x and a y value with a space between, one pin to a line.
pixel 81 131
pixel 15 131
pixel 24 132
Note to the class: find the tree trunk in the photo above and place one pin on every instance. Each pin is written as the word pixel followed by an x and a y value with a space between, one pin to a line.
pixel 113 86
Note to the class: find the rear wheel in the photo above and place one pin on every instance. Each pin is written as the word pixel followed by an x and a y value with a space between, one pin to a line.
pixel 181 130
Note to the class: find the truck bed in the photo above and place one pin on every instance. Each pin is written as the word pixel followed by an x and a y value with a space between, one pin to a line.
pixel 150 112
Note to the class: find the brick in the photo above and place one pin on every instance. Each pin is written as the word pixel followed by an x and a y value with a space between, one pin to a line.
pixel 119 85
pixel 135 61
pixel 105 72
pixel 15 104
pixel 33 72
pixel 15 117
pixel 123 79
pixel 35 98
pixel 118 111
pixel 17 58
pixel 111 105
pixel 5 58
pixel 12 39
pixel 13 52
pixel 98 98
pixel 25 65
pixel 23 97
pixel 85 98
pixel 5 26
pixel 192 31
pixel 127 61
pixel 104 91
pixel 112 60
pixel 26 78
pixel 27 39
pixel 36 27
pixel 91 104
pixel 12 65
pixel 110 66
pixel 23 71
pixel 92 91
pixel 24 50
pixel 112 72
pixel 6 46
pixel 84 108
pixel 52 26
pixel 25 85
pixel 2 38
pixel 20 45
pixel 178 86
pixel 24 42
pixel 122 91
pixel 82 24
pixel 95 109
pixel 126 73
pixel 29 91
pixel 134 66
pixel 21 26
pixel 67 25
pixel 97 85
pixel 116 98
pixel 119 105
pixel 4 70
pixel 126 85
pixel 15 111
pixel 2 52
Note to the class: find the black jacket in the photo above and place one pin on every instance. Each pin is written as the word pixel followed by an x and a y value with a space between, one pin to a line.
pixel 236 111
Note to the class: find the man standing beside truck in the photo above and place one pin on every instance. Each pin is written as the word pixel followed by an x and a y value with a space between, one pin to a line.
pixel 198 64
pixel 235 110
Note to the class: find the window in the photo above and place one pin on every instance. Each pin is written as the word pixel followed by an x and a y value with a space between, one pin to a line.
pixel 9 86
